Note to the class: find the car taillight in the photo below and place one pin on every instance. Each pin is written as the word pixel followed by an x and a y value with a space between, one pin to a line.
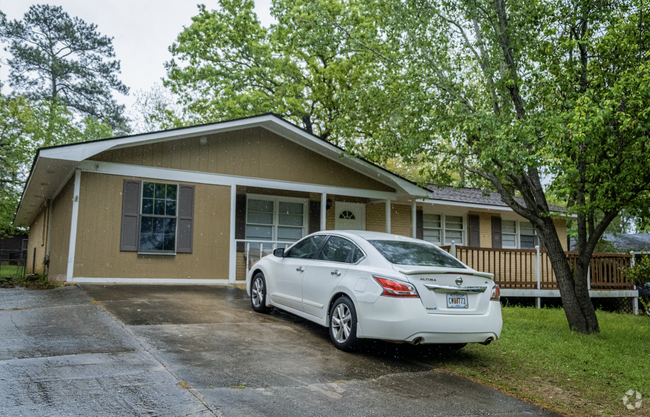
pixel 496 293
pixel 396 288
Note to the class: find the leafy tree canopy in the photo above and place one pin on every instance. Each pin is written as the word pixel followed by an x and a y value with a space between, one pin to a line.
pixel 64 61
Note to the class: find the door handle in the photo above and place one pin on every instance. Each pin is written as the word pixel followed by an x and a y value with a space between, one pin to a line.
pixel 300 269
pixel 336 272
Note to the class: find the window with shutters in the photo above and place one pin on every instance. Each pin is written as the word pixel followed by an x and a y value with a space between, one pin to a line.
pixel 272 218
pixel 518 234
pixel 438 228
pixel 158 217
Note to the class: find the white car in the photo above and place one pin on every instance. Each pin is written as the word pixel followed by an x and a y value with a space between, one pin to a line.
pixel 378 286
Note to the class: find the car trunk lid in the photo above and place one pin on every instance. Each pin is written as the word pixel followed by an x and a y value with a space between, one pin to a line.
pixel 450 291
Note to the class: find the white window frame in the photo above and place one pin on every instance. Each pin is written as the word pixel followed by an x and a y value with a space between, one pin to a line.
pixel 276 212
pixel 517 234
pixel 443 229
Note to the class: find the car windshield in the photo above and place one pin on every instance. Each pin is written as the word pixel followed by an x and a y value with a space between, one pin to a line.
pixel 414 253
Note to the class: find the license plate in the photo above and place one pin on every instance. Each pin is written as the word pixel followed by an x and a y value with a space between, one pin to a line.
pixel 457 301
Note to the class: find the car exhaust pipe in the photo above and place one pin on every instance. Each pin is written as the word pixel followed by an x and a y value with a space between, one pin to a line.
pixel 487 341
pixel 417 341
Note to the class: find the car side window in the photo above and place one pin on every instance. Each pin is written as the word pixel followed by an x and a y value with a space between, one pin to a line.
pixel 336 249
pixel 307 248
pixel 358 254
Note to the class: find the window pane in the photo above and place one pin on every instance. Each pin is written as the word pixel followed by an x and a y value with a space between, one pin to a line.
pixel 414 253
pixel 527 242
pixel 508 241
pixel 147 206
pixel 260 205
pixel 260 218
pixel 160 191
pixel 171 192
pixel 147 189
pixel 259 232
pixel 453 222
pixel 158 225
pixel 526 228
pixel 336 249
pixel 431 235
pixel 358 254
pixel 159 207
pixel 307 248
pixel 146 225
pixel 290 219
pixel 455 235
pixel 169 242
pixel 290 208
pixel 170 208
pixel 170 226
pixel 431 220
pixel 508 226
pixel 289 233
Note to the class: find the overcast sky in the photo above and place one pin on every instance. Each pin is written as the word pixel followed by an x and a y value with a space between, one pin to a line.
pixel 142 32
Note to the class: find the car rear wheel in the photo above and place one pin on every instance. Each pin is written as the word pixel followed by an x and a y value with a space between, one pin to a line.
pixel 343 323
pixel 258 294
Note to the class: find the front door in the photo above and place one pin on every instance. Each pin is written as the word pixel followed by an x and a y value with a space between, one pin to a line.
pixel 350 216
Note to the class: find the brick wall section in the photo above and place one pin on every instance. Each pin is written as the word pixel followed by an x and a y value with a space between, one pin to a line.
pixel 560 226
pixel 400 218
pixel 485 226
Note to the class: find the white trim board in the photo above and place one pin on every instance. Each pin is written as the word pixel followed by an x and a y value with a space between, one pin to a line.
pixel 556 293
pixel 178 175
pixel 156 281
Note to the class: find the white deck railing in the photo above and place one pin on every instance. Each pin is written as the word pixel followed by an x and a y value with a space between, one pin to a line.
pixel 260 249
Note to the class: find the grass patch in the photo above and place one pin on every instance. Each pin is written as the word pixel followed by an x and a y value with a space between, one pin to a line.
pixel 537 358
pixel 10 271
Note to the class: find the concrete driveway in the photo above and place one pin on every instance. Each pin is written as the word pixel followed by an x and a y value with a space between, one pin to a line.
pixel 200 350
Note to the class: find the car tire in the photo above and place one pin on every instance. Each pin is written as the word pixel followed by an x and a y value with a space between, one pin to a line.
pixel 343 324
pixel 258 293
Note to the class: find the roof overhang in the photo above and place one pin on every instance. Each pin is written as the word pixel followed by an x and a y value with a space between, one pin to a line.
pixel 53 167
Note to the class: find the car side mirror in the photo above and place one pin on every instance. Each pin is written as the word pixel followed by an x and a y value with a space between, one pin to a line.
pixel 279 252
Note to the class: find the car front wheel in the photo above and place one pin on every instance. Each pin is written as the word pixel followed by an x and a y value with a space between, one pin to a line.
pixel 343 323
pixel 258 294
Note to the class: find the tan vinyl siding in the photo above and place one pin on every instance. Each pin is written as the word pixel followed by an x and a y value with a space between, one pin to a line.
pixel 60 238
pixel 485 229
pixel 560 227
pixel 254 152
pixel 98 239
pixel 36 243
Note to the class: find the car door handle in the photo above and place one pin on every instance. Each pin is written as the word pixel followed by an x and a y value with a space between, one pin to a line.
pixel 300 269
pixel 336 272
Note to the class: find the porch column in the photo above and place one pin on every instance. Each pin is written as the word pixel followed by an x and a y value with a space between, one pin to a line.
pixel 232 264
pixel 414 219
pixel 73 226
pixel 387 216
pixel 323 211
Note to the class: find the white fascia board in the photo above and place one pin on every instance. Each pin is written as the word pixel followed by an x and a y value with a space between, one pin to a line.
pixel 227 180
pixel 556 293
pixel 154 281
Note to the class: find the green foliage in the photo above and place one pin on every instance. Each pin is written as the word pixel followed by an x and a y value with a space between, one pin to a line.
pixel 65 62
pixel 640 272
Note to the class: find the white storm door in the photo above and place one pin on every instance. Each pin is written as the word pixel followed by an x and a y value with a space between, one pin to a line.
pixel 350 216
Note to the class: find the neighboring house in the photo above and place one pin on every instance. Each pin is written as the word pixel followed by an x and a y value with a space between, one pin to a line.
pixel 639 243
pixel 11 248
pixel 196 204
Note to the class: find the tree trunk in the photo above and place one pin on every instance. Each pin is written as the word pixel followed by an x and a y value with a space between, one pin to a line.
pixel 574 292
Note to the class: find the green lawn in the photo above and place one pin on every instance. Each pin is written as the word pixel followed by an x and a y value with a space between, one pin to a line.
pixel 537 358
pixel 8 271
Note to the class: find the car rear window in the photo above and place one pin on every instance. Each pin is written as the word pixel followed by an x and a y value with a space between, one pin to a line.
pixel 413 253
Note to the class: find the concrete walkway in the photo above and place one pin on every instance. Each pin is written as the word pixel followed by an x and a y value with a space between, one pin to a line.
pixel 191 350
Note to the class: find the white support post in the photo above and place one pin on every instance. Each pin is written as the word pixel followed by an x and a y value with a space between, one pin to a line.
pixel 232 267
pixel 452 250
pixel 635 305
pixel 632 260
pixel 414 219
pixel 323 211
pixel 589 276
pixel 538 300
pixel 74 219
pixel 387 216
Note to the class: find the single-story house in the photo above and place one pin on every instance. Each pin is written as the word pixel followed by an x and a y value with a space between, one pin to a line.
pixel 196 204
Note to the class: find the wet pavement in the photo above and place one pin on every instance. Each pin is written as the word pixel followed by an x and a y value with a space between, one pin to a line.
pixel 201 350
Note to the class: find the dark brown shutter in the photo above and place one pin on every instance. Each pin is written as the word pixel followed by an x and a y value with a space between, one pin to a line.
pixel 496 233
pixel 240 220
pixel 185 236
pixel 419 224
pixel 314 216
pixel 474 230
pixel 130 232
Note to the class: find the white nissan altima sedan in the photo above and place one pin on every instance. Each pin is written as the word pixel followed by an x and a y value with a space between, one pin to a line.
pixel 378 286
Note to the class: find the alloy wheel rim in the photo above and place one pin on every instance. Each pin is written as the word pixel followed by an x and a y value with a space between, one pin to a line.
pixel 258 291
pixel 341 323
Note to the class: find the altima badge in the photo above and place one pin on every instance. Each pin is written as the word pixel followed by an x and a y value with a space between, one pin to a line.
pixel 459 281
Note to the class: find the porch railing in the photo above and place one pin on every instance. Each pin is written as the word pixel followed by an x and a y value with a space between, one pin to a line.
pixel 531 268
pixel 254 250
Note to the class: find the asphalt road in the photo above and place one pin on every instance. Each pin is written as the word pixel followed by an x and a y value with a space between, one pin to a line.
pixel 201 351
